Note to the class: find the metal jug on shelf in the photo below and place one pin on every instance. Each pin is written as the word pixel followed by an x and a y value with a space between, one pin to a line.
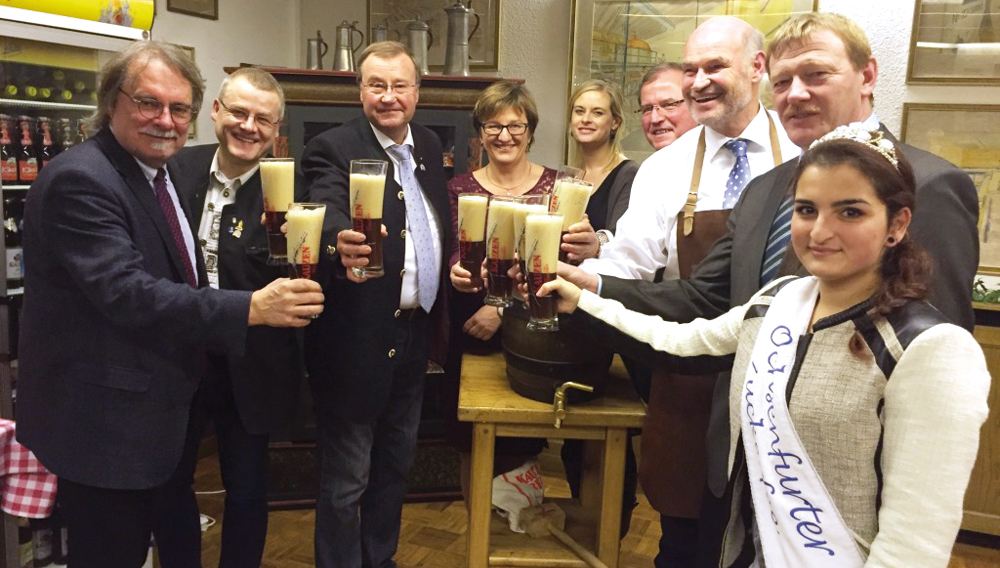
pixel 456 55
pixel 343 56
pixel 381 32
pixel 419 39
pixel 316 49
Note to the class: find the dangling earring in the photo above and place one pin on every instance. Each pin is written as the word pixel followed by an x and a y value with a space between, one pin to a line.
pixel 891 241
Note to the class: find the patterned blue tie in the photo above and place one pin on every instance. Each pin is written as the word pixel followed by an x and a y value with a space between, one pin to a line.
pixel 739 176
pixel 777 241
pixel 428 276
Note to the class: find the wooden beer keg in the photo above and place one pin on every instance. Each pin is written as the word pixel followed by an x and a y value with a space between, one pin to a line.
pixel 539 361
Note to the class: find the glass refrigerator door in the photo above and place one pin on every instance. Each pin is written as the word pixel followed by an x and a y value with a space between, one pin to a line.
pixel 48 82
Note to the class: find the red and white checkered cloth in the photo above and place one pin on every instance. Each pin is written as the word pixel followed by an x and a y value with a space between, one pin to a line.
pixel 27 488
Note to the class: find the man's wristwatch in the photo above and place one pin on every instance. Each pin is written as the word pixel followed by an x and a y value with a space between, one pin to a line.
pixel 602 239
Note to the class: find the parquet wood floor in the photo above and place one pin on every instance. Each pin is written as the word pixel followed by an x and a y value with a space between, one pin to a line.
pixel 433 534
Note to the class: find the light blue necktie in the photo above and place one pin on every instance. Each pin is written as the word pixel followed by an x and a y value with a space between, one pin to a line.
pixel 739 176
pixel 777 242
pixel 428 276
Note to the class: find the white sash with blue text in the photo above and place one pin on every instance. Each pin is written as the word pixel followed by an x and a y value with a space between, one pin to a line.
pixel 797 521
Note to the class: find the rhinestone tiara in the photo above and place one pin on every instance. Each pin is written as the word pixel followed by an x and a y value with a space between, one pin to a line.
pixel 858 133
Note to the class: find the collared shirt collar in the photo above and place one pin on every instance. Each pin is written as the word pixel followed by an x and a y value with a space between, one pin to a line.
pixel 757 133
pixel 385 141
pixel 220 177
pixel 872 122
pixel 147 171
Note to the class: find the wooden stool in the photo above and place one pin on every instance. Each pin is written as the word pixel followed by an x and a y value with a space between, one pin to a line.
pixel 486 399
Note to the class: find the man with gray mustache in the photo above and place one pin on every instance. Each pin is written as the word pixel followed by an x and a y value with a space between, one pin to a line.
pixel 118 317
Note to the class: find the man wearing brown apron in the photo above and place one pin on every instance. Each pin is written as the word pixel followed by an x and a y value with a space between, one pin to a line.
pixel 672 229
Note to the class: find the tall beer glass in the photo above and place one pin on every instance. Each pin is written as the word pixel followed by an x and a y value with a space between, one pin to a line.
pixel 499 250
pixel 525 205
pixel 542 232
pixel 367 193
pixel 472 234
pixel 305 226
pixel 570 196
pixel 277 182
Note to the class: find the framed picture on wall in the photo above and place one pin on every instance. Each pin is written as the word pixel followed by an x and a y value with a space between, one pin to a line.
pixel 955 42
pixel 969 137
pixel 208 9
pixel 193 125
pixel 484 39
pixel 618 40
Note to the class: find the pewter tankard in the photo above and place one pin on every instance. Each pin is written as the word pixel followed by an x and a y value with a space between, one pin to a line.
pixel 316 49
pixel 419 39
pixel 381 33
pixel 456 55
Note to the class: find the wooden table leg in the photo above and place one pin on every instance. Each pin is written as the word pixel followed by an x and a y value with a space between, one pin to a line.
pixel 613 476
pixel 481 494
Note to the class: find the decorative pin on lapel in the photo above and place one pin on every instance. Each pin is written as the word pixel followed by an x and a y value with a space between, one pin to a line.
pixel 238 230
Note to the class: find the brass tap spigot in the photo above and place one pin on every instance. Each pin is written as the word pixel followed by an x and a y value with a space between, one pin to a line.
pixel 559 402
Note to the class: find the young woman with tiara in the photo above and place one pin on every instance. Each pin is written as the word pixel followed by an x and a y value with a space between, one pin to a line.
pixel 855 406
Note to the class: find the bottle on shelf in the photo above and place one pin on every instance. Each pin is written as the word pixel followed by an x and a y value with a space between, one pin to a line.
pixel 25 553
pixel 27 158
pixel 13 215
pixel 66 138
pixel 47 150
pixel 60 546
pixel 41 541
pixel 8 152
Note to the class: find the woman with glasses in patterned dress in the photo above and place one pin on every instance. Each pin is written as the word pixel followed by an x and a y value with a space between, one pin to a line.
pixel 505 117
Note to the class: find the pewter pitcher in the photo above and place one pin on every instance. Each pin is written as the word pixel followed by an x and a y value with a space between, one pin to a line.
pixel 456 55
pixel 343 55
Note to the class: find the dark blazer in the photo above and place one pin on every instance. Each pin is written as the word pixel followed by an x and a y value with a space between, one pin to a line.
pixel 267 378
pixel 944 223
pixel 110 333
pixel 348 347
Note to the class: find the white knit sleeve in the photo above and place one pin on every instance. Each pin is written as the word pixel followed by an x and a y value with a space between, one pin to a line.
pixel 935 404
pixel 699 337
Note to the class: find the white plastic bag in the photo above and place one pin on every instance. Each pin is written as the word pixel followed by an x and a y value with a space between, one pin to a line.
pixel 519 488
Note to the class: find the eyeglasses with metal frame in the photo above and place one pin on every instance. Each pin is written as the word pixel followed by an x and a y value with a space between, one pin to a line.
pixel 666 106
pixel 263 122
pixel 378 88
pixel 152 108
pixel 514 128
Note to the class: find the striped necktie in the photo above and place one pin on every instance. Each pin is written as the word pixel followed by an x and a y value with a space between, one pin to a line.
pixel 428 276
pixel 167 205
pixel 777 242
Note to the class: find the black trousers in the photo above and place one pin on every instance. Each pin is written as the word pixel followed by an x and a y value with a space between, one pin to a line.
pixel 242 464
pixel 107 528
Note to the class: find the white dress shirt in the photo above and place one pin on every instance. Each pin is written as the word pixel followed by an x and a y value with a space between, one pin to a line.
pixel 408 294
pixel 646 239
pixel 221 192
pixel 150 174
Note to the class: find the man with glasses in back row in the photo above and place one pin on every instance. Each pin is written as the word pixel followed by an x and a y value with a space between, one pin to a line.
pixel 246 396
pixel 118 316
pixel 367 356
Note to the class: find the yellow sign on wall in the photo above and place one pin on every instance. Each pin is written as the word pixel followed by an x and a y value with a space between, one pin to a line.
pixel 128 13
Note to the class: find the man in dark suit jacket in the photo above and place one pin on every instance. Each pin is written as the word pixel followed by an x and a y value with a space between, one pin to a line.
pixel 823 74
pixel 367 355
pixel 116 317
pixel 246 396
